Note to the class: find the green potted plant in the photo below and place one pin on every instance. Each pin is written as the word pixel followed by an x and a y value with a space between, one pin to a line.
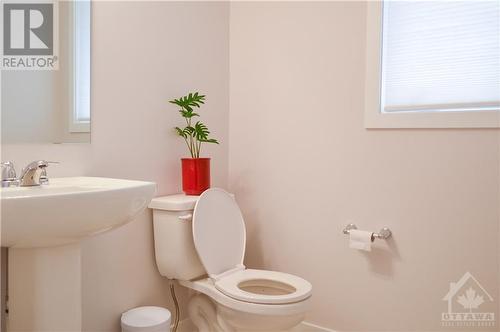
pixel 195 170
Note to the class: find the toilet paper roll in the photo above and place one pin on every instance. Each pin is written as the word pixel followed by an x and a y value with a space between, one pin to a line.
pixel 361 240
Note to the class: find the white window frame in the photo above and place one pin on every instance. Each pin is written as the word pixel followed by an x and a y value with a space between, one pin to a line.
pixel 74 125
pixel 375 118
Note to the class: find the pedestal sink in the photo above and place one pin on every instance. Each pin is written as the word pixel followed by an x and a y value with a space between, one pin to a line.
pixel 42 227
pixel 68 209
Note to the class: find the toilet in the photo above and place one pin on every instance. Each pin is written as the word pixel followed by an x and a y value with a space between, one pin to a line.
pixel 200 241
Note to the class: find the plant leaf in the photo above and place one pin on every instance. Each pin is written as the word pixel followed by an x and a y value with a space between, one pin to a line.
pixel 180 132
pixel 210 140
pixel 189 131
pixel 188 114
pixel 201 131
pixel 190 101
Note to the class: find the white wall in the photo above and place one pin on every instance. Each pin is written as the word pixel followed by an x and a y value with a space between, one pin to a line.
pixel 302 166
pixel 143 54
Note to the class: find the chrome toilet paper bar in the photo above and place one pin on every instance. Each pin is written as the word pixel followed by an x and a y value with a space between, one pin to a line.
pixel 384 233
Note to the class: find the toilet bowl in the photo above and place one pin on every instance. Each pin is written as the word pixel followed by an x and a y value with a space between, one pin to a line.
pixel 219 312
pixel 200 241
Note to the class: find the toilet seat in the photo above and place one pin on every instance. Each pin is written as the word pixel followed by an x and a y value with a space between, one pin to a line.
pixel 219 238
pixel 265 287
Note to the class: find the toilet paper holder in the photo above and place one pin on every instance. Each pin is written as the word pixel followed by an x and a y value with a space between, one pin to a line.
pixel 384 233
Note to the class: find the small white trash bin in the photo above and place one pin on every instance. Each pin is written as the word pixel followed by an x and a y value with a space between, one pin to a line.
pixel 146 319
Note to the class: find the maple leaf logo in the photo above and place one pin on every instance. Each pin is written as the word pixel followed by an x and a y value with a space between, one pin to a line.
pixel 470 300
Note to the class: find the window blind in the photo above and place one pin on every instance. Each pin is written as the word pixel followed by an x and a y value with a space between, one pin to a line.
pixel 440 56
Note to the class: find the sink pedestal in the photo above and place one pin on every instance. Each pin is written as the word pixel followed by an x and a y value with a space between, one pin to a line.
pixel 45 289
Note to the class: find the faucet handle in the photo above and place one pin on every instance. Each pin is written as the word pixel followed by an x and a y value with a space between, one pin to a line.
pixel 9 177
pixel 44 179
pixel 38 164
pixel 8 170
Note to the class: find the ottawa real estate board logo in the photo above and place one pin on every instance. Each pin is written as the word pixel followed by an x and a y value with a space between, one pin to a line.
pixel 29 36
pixel 469 304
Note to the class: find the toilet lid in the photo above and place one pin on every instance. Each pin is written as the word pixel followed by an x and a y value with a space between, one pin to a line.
pixel 218 231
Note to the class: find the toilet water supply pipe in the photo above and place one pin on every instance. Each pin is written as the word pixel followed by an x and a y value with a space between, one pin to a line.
pixel 173 328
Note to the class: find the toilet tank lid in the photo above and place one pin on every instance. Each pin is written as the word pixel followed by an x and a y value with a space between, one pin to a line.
pixel 178 202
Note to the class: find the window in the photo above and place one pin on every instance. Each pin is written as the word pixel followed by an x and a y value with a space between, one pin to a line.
pixel 433 64
pixel 80 117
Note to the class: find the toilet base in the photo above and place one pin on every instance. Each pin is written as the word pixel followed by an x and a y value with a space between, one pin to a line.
pixel 208 315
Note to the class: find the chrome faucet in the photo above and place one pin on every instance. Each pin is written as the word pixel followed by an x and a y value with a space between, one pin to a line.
pixel 34 174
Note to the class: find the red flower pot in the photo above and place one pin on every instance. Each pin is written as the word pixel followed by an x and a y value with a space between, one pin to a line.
pixel 195 175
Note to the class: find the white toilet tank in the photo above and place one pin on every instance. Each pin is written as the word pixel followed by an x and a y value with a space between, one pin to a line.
pixel 175 253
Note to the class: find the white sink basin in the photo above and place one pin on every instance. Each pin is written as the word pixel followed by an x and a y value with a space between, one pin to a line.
pixel 68 209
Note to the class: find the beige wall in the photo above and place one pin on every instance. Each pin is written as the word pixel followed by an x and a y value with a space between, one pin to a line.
pixel 302 166
pixel 144 54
